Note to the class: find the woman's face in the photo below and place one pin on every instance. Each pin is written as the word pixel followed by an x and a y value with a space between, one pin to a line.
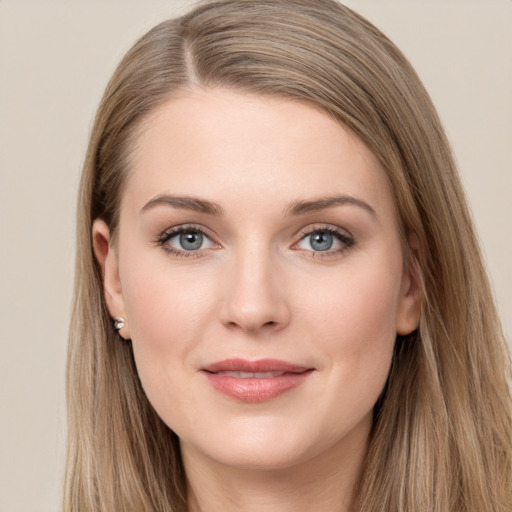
pixel 260 271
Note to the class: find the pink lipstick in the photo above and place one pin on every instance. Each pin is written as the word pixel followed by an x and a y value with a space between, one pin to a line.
pixel 255 381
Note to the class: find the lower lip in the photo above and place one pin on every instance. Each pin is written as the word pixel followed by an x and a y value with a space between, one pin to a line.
pixel 254 390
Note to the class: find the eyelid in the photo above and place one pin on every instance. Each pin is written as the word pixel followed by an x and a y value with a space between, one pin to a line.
pixel 341 234
pixel 166 235
pixel 179 228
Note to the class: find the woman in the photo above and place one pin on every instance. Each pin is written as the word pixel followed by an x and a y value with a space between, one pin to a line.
pixel 280 300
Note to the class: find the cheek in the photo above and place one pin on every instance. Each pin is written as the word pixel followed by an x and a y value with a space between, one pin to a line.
pixel 354 319
pixel 164 308
pixel 167 312
pixel 354 332
pixel 163 303
pixel 356 300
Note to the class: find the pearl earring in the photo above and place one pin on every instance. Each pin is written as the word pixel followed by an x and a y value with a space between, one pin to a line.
pixel 118 323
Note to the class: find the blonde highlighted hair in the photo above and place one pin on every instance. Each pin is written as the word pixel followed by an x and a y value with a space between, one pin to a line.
pixel 441 439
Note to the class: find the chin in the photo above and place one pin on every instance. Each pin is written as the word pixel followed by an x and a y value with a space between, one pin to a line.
pixel 257 458
pixel 260 445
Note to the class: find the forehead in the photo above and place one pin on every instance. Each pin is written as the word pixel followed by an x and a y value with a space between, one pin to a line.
pixel 238 147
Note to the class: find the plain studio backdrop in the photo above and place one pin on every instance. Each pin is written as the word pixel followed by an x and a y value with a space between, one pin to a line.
pixel 55 60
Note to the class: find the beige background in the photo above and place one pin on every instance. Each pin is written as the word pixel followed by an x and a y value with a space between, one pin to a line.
pixel 55 59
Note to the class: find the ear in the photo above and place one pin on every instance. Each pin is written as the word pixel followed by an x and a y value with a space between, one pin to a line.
pixel 411 294
pixel 106 255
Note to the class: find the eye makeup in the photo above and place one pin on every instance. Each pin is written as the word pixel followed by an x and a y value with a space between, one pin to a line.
pixel 318 241
pixel 193 239
pixel 325 241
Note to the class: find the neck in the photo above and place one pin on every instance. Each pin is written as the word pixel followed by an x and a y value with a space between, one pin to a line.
pixel 325 483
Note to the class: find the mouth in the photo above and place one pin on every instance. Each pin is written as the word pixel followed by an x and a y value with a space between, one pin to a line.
pixel 251 375
pixel 255 381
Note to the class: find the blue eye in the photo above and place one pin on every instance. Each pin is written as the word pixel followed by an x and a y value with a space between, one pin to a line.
pixel 183 240
pixel 321 241
pixel 190 240
pixel 326 240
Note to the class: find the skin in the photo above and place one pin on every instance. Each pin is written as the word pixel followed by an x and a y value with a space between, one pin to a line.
pixel 257 288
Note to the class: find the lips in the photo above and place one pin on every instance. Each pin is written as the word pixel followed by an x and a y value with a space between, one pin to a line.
pixel 255 381
pixel 251 375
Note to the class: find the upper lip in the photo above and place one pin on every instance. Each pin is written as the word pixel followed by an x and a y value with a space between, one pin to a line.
pixel 261 365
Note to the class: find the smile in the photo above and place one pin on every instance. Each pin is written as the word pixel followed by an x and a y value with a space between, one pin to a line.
pixel 255 381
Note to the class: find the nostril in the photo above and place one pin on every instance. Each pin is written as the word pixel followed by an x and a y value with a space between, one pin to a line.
pixel 271 324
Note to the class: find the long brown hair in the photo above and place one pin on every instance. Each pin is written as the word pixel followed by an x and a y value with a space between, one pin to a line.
pixel 441 435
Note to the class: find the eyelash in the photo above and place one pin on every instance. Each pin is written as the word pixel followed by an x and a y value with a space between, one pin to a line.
pixel 347 240
pixel 170 233
pixel 342 236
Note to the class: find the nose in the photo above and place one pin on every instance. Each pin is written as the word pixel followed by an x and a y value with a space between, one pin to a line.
pixel 256 299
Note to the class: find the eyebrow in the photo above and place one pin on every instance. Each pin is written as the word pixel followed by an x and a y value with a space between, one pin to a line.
pixel 296 208
pixel 184 203
pixel 316 205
